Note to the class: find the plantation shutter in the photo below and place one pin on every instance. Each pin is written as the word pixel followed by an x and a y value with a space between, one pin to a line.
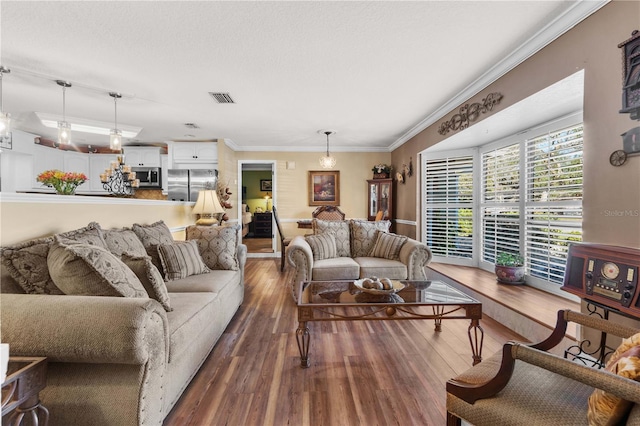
pixel 553 205
pixel 449 206
pixel 500 210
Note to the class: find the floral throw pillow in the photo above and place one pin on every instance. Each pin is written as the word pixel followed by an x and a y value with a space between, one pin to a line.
pixel 150 278
pixel 26 263
pixel 606 408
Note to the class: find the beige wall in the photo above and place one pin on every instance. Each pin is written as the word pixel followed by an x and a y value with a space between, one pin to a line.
pixel 21 220
pixel 592 46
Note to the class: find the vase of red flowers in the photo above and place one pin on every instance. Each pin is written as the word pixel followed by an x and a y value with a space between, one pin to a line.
pixel 65 183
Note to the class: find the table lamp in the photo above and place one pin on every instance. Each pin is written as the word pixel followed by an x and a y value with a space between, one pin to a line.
pixel 206 206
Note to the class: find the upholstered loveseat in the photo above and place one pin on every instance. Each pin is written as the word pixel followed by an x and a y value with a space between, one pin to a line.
pixel 354 249
pixel 122 344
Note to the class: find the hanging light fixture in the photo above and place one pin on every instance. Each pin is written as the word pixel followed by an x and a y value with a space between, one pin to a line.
pixel 64 128
pixel 327 162
pixel 115 135
pixel 5 119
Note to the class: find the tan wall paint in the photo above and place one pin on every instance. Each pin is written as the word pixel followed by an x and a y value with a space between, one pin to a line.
pixel 20 221
pixel 592 46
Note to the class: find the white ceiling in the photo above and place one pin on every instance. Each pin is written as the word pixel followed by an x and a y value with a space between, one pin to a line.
pixel 375 72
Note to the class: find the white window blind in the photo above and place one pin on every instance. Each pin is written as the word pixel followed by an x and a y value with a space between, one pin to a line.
pixel 499 205
pixel 449 206
pixel 553 205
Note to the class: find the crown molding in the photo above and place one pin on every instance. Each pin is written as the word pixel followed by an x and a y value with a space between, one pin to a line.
pixel 575 14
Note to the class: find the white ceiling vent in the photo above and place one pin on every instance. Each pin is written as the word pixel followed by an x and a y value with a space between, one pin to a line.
pixel 222 98
pixel 191 126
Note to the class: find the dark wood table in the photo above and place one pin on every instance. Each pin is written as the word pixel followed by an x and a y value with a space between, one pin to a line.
pixel 304 224
pixel 26 377
pixel 336 300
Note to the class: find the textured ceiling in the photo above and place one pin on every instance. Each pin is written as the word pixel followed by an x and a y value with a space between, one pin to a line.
pixel 371 71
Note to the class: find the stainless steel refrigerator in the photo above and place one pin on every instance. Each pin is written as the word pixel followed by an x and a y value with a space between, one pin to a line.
pixel 184 184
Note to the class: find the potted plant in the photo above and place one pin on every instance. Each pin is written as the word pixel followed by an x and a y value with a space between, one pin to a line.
pixel 510 268
pixel 65 183
pixel 381 171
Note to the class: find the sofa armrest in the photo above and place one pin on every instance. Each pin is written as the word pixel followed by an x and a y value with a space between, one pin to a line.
pixel 300 257
pixel 241 253
pixel 416 256
pixel 87 329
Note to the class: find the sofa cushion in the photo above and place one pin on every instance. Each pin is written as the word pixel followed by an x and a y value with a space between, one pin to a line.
pixel 363 235
pixel 89 270
pixel 606 408
pixel 193 313
pixel 338 268
pixel 211 282
pixel 90 234
pixel 27 264
pixel 123 240
pixel 387 245
pixel 151 236
pixel 323 246
pixel 378 267
pixel 340 230
pixel 181 259
pixel 217 245
pixel 149 276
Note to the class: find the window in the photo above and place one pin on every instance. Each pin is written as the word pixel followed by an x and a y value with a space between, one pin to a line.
pixel 528 200
pixel 449 206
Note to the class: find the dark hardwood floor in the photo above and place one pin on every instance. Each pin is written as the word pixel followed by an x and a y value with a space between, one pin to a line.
pixel 362 373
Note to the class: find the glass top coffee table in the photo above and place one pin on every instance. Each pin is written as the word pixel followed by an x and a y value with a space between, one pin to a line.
pixel 436 300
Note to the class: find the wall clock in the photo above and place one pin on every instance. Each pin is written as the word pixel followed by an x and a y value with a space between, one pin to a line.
pixel 618 158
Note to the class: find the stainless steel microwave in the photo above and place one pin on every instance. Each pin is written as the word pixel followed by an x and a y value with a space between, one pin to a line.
pixel 150 177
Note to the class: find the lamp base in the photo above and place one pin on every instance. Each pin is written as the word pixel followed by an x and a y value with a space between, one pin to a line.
pixel 206 221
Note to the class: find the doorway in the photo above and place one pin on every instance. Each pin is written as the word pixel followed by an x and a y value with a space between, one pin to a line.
pixel 256 189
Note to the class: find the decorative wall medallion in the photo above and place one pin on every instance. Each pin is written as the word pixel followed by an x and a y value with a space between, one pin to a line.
pixel 469 113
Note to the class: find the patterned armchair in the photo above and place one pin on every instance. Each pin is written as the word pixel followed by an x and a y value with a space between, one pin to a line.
pixel 526 385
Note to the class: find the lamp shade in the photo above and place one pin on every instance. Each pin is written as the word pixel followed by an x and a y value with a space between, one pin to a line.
pixel 208 203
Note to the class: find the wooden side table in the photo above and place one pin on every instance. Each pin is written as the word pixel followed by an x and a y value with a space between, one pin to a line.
pixel 26 377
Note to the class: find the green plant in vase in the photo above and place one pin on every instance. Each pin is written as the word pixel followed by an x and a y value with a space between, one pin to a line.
pixel 510 268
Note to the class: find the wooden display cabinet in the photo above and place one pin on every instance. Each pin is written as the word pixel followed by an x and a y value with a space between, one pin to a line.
pixel 262 225
pixel 380 198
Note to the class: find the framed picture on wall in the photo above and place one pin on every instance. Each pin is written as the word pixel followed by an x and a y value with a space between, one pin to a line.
pixel 324 188
pixel 265 185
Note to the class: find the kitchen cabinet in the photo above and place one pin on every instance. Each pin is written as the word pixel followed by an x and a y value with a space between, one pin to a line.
pixel 262 225
pixel 142 156
pixel 98 163
pixel 164 169
pixel 195 152
pixel 76 162
pixel 45 158
pixel 380 198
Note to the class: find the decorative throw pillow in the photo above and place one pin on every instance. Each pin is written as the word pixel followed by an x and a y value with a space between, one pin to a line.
pixel 340 229
pixel 363 235
pixel 90 234
pixel 26 263
pixel 323 246
pixel 151 236
pixel 149 276
pixel 606 408
pixel 89 270
pixel 181 259
pixel 217 245
pixel 123 240
pixel 387 245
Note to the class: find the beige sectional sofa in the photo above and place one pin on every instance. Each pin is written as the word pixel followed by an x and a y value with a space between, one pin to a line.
pixel 354 249
pixel 120 359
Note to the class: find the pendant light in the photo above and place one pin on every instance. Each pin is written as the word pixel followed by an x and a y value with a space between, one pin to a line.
pixel 115 135
pixel 327 162
pixel 64 128
pixel 5 119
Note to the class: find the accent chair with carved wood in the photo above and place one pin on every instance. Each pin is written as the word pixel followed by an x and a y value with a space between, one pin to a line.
pixel 526 385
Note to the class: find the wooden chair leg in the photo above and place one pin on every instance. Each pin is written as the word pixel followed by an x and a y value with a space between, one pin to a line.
pixel 282 260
